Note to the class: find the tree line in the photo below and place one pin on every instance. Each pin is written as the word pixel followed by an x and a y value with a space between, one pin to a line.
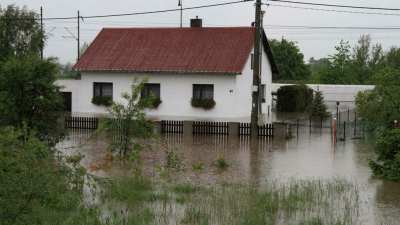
pixel 349 65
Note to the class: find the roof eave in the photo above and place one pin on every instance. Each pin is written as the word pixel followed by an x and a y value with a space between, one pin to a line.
pixel 160 71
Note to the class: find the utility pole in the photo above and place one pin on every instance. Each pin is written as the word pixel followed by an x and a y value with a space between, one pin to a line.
pixel 41 33
pixel 79 55
pixel 180 4
pixel 256 72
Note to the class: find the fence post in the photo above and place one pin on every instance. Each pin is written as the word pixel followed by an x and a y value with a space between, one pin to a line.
pixel 157 126
pixel 298 123
pixel 310 123
pixel 395 124
pixel 348 114
pixel 334 131
pixel 344 130
pixel 355 125
pixel 280 131
pixel 187 127
pixel 321 121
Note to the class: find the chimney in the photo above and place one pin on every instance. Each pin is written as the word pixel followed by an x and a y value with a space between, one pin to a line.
pixel 196 22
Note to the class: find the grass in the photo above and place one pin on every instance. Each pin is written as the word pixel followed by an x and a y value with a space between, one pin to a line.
pixel 221 162
pixel 310 201
pixel 198 166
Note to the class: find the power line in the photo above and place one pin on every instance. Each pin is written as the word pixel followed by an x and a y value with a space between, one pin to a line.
pixel 332 10
pixel 317 27
pixel 329 5
pixel 128 14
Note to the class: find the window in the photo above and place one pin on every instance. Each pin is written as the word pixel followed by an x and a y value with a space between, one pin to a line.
pixel 150 88
pixel 103 89
pixel 204 91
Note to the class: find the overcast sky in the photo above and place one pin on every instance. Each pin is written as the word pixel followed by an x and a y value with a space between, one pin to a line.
pixel 313 42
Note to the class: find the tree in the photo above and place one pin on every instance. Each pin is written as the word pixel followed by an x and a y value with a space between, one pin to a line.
pixel 361 58
pixel 35 189
pixel 339 69
pixel 317 65
pixel 19 38
pixel 317 106
pixel 28 93
pixel 290 60
pixel 128 123
pixel 388 151
pixel 84 47
pixel 382 104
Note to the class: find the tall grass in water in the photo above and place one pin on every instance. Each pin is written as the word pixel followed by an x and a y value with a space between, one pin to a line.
pixel 310 201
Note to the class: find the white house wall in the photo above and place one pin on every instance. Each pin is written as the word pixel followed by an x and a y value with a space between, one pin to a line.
pixel 244 83
pixel 176 92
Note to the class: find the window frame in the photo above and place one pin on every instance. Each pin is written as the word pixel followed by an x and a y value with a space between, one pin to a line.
pixel 147 94
pixel 101 89
pixel 201 90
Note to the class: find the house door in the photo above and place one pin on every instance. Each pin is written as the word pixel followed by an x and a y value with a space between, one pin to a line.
pixel 67 96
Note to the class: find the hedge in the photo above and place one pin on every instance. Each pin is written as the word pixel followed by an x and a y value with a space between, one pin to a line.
pixel 294 98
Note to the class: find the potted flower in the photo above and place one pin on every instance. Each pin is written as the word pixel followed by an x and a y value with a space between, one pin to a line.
pixel 102 100
pixel 206 104
pixel 154 103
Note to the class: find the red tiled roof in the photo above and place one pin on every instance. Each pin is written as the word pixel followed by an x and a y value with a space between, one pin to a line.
pixel 189 50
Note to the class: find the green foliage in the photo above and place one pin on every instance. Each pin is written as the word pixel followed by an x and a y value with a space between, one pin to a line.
pixel 317 65
pixel 155 102
pixel 129 123
pixel 317 106
pixel 102 100
pixel 173 160
pixel 28 93
pixel 340 67
pixel 382 104
pixel 388 150
pixel 206 104
pixel 290 60
pixel 198 166
pixel 221 162
pixel 294 98
pixel 20 38
pixel 289 136
pixel 34 189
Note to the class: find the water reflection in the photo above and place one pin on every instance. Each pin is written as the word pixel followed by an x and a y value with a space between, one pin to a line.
pixel 309 155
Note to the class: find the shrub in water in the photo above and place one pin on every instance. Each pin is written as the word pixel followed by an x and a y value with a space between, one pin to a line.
pixel 388 151
pixel 221 162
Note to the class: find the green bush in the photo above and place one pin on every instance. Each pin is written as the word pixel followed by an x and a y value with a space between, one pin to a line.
pixel 102 100
pixel 221 162
pixel 317 106
pixel 294 98
pixel 388 150
pixel 206 104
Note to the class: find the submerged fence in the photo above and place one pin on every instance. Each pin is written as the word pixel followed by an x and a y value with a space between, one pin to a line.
pixel 178 127
pixel 213 128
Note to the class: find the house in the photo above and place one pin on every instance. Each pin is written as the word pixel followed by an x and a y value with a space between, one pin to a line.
pixel 181 64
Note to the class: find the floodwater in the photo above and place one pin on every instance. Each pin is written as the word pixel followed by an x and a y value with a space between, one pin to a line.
pixel 310 155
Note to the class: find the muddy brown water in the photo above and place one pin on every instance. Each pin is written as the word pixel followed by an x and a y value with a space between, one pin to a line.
pixel 311 155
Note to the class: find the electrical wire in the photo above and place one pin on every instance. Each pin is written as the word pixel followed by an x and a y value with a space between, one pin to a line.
pixel 127 14
pixel 329 5
pixel 332 10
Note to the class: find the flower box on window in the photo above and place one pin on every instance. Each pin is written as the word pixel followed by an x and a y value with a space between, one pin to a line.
pixel 206 104
pixel 102 100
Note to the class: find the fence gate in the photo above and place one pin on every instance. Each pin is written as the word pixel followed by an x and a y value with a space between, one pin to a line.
pixel 267 130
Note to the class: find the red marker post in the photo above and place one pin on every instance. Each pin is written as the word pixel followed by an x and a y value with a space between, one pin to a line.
pixel 334 131
pixel 395 124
